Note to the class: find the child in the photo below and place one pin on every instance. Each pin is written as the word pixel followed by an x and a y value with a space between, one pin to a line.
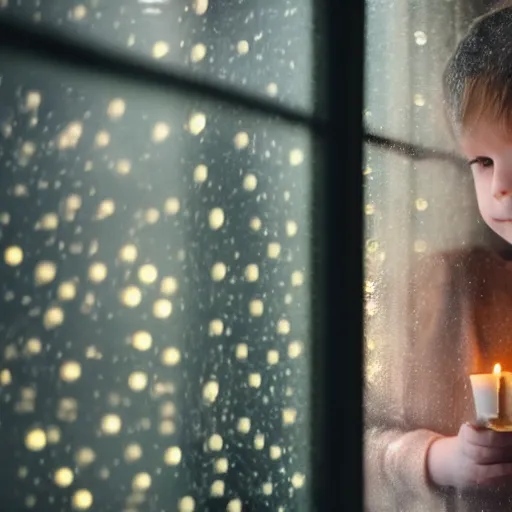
pixel 421 452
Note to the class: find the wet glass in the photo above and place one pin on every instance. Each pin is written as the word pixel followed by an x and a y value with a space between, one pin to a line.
pixel 260 47
pixel 437 278
pixel 155 300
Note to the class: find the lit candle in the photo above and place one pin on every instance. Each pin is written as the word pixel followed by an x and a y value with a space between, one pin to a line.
pixel 505 399
pixel 486 395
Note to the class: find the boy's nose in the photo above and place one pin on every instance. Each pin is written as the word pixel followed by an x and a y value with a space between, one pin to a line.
pixel 502 193
pixel 502 181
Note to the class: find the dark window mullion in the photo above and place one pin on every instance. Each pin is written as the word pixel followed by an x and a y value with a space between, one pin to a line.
pixel 337 253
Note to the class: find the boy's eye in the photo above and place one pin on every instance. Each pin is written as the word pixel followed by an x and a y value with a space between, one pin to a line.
pixel 482 161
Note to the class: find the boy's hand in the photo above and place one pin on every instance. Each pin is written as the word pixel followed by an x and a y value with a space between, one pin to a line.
pixel 474 458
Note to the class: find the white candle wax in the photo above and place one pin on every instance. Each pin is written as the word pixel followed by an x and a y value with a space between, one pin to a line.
pixel 505 397
pixel 486 395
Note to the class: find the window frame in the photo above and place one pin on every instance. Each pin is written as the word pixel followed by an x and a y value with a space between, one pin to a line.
pixel 337 243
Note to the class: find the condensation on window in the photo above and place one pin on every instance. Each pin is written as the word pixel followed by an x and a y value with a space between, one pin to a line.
pixel 422 226
pixel 154 318
pixel 263 48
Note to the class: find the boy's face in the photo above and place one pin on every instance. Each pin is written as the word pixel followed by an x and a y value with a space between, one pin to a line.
pixel 489 150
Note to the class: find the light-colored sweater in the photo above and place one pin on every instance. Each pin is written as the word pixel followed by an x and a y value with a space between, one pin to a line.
pixel 459 321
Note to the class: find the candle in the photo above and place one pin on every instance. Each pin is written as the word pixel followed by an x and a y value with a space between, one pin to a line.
pixel 505 398
pixel 486 394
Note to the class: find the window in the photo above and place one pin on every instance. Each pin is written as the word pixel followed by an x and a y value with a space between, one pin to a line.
pixel 428 260
pixel 156 244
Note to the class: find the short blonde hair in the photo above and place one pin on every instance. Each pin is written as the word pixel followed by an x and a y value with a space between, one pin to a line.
pixel 478 77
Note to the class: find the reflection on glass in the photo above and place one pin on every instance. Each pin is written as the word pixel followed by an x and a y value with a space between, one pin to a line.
pixel 438 281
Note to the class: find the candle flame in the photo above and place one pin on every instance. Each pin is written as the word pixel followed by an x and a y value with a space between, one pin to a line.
pixel 497 369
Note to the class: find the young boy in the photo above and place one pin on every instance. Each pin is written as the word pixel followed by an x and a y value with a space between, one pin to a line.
pixel 422 454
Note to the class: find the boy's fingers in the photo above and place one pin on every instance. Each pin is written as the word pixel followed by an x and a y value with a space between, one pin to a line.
pixel 487 454
pixel 485 437
pixel 493 474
